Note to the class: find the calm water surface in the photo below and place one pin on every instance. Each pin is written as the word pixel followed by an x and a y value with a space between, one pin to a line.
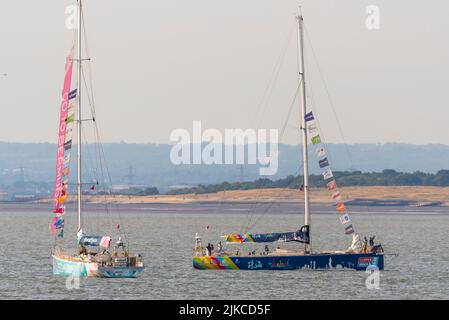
pixel 166 237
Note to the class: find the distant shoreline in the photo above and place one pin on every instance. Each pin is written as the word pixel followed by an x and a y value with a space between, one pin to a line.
pixel 361 196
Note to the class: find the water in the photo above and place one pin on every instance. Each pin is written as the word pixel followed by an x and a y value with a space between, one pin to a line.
pixel 165 237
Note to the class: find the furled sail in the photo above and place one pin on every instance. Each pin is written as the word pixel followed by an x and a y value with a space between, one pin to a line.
pixel 66 120
pixel 302 235
pixel 95 241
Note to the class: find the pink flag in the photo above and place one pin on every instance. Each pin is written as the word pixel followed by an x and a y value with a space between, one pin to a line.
pixel 62 128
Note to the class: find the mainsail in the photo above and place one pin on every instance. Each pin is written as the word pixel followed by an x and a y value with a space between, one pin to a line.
pixel 301 235
pixel 66 120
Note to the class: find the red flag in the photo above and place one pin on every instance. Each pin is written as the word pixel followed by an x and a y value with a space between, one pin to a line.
pixel 59 210
pixel 332 185
pixel 341 207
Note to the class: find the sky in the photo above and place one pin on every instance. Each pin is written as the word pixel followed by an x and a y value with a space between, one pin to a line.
pixel 159 65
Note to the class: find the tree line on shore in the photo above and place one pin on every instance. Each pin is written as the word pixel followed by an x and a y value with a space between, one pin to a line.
pixel 387 177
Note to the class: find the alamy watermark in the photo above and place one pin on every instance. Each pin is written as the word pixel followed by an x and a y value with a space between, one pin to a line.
pixel 211 147
pixel 373 279
pixel 372 21
pixel 73 280
pixel 72 13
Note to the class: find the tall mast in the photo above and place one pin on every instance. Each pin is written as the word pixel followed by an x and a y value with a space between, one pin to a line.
pixel 302 101
pixel 78 90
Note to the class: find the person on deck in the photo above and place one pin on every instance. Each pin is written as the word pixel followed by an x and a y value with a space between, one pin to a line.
pixel 220 247
pixel 208 250
pixel 82 250
pixel 365 245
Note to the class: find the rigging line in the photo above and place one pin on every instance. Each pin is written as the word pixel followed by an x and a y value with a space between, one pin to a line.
pixel 282 190
pixel 281 136
pixel 273 78
pixel 92 173
pixel 265 98
pixel 92 107
pixel 322 135
pixel 93 168
pixel 328 95
pixel 102 157
pixel 252 209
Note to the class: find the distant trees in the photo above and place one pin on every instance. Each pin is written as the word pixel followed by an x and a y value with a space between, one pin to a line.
pixel 387 177
pixel 135 191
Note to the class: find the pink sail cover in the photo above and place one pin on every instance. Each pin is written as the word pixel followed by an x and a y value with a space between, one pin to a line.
pixel 62 131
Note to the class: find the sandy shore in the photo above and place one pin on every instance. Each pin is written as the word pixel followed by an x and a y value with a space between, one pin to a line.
pixel 415 195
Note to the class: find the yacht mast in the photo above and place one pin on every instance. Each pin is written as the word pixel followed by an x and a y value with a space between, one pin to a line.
pixel 78 92
pixel 302 101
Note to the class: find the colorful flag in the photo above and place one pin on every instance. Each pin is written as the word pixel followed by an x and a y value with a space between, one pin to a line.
pixel 345 219
pixel 327 174
pixel 70 118
pixel 316 139
pixel 331 185
pixel 309 116
pixel 68 145
pixel 65 172
pixel 62 127
pixel 323 163
pixel 341 207
pixel 72 94
pixel 349 229
pixel 320 152
pixel 312 127
pixel 66 159
pixel 105 242
pixel 336 196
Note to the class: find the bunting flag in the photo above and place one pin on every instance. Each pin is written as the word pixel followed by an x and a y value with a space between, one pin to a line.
pixel 349 229
pixel 309 116
pixel 316 139
pixel 341 207
pixel 66 120
pixel 312 128
pixel 331 185
pixel 344 218
pixel 336 196
pixel 323 163
pixel 327 174
pixel 320 152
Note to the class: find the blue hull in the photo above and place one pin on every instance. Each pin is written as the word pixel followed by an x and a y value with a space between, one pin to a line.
pixel 356 261
pixel 120 272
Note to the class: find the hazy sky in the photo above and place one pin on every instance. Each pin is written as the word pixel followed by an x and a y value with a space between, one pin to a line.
pixel 159 65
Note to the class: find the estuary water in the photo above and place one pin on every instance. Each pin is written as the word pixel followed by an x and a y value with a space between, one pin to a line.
pixel 164 234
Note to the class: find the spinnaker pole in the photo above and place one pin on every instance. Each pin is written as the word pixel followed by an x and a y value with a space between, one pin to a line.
pixel 78 92
pixel 302 101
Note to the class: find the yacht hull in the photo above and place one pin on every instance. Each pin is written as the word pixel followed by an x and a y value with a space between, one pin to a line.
pixel 68 267
pixel 355 261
